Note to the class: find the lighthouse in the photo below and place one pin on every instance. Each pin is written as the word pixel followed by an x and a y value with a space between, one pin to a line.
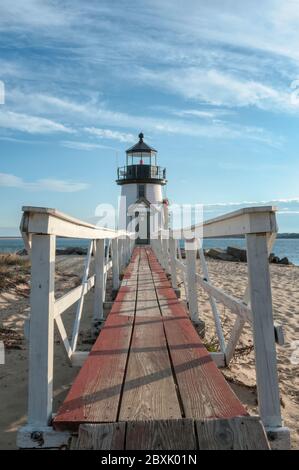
pixel 141 182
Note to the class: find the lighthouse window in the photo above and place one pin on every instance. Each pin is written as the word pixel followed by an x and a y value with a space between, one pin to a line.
pixel 141 190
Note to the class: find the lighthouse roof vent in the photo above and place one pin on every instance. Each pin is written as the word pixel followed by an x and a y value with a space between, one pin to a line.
pixel 141 146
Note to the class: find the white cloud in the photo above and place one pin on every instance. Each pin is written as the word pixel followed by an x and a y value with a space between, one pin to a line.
pixel 270 26
pixel 288 212
pixel 20 14
pixel 91 111
pixel 2 92
pixel 110 134
pixel 207 54
pixel 82 114
pixel 30 124
pixel 219 88
pixel 294 200
pixel 87 146
pixel 212 114
pixel 48 184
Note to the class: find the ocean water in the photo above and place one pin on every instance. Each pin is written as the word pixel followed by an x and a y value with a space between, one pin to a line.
pixel 283 246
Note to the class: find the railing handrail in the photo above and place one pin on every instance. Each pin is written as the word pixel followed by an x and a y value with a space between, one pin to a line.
pixel 256 219
pixel 48 221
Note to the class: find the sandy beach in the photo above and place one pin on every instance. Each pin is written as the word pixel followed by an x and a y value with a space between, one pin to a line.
pixel 230 276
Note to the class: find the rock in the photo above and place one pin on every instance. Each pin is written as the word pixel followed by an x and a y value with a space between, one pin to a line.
pixel 183 253
pixel 285 261
pixel 71 250
pixel 276 260
pixel 22 252
pixel 217 253
pixel 238 253
pixel 227 257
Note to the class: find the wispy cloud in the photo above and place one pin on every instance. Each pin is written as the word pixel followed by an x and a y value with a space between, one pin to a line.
pixel 38 14
pixel 2 93
pixel 204 114
pixel 87 146
pixel 284 206
pixel 207 55
pixel 219 56
pixel 110 134
pixel 85 113
pixel 288 212
pixel 219 88
pixel 12 181
pixel 294 200
pixel 30 124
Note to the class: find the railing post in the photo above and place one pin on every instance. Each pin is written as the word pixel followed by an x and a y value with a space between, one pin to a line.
pixel 120 254
pixel 99 265
pixel 165 255
pixel 173 257
pixel 115 265
pixel 191 250
pixel 41 337
pixel 213 304
pixel 264 340
pixel 159 249
pixel 127 249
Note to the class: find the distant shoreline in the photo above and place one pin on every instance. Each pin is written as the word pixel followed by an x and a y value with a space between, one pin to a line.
pixel 10 238
pixel 291 236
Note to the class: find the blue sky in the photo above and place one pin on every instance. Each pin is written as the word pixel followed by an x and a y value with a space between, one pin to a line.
pixel 211 84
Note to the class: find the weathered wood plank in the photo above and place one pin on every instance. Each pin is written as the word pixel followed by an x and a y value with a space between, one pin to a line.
pixel 161 435
pixel 240 433
pixel 147 304
pixel 109 436
pixel 149 390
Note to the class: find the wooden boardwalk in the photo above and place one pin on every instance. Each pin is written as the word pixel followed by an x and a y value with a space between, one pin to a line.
pixel 149 368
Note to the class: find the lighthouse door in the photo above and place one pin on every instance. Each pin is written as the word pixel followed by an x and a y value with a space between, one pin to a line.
pixel 143 226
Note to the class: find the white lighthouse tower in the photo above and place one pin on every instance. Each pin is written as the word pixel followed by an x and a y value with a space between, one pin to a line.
pixel 142 181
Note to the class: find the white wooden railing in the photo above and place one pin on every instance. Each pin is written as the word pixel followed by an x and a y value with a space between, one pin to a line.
pixel 40 227
pixel 258 225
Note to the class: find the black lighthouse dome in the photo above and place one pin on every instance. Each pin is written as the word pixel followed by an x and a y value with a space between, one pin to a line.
pixel 141 165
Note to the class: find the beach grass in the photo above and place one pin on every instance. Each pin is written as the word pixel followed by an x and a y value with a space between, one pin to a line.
pixel 14 270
